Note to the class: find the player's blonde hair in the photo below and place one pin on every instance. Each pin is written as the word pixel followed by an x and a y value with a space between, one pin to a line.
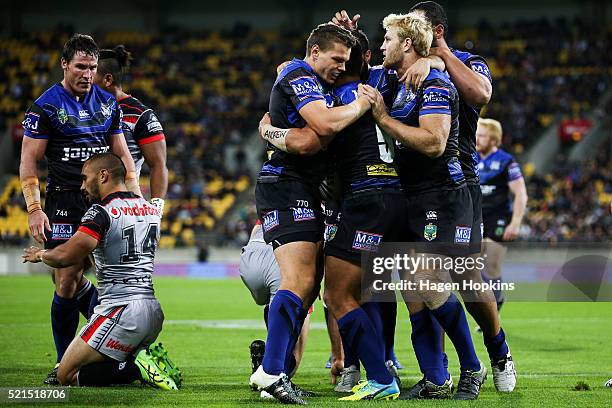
pixel 414 26
pixel 494 128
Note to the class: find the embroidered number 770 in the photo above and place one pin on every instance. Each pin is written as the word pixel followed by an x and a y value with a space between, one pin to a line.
pixel 147 246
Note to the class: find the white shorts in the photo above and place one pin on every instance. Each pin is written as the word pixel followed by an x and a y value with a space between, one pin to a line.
pixel 121 330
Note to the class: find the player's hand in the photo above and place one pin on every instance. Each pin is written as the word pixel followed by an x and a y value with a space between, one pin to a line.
pixel 32 254
pixel 158 203
pixel 342 19
pixel 379 108
pixel 511 232
pixel 416 74
pixel 336 370
pixel 38 222
pixel 265 120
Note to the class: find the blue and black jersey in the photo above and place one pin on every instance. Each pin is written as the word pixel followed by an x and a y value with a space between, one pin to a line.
pixel 496 171
pixel 296 86
pixel 468 120
pixel 75 130
pixel 418 172
pixel 362 154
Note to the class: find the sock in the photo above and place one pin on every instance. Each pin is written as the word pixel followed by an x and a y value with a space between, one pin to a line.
pixel 64 322
pixel 266 312
pixel 499 295
pixel 283 315
pixel 359 334
pixel 107 373
pixel 496 346
pixel 86 296
pixel 451 317
pixel 427 347
pixel 388 312
pixel 290 362
pixel 439 334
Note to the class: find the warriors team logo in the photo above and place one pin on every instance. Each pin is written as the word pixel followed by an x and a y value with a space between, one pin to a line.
pixel 430 232
pixel 62 116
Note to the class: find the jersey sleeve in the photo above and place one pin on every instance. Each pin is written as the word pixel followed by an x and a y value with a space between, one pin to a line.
pixel 437 99
pixel 148 129
pixel 36 123
pixel 302 87
pixel 115 127
pixel 513 171
pixel 479 65
pixel 95 222
pixel 386 81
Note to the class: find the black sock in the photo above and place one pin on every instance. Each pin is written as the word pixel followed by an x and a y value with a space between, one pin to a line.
pixel 107 373
pixel 64 322
pixel 88 299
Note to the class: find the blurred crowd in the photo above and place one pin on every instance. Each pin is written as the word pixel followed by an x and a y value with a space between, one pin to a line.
pixel 209 89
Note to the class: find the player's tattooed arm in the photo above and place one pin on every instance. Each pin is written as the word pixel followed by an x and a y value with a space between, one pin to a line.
pixel 416 74
pixel 32 151
pixel 119 147
pixel 73 252
pixel 474 88
pixel 302 141
pixel 429 138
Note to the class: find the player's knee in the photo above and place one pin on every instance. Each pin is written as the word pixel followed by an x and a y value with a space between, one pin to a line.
pixel 433 299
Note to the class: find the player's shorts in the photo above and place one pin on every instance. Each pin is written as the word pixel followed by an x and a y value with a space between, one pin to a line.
pixel 289 210
pixel 442 218
pixel 477 223
pixel 368 218
pixel 331 210
pixel 64 210
pixel 495 224
pixel 260 272
pixel 120 330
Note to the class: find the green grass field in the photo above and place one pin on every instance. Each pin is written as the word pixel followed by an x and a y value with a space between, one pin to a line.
pixel 210 324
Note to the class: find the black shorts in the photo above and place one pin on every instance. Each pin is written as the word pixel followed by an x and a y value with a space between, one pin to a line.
pixel 495 224
pixel 289 210
pixel 442 219
pixel 477 223
pixel 367 219
pixel 64 210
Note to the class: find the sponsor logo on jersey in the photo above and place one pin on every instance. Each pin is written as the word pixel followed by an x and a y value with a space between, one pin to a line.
pixel 430 232
pixel 431 215
pixel 481 68
pixel 62 231
pixel 137 210
pixel 31 121
pixel 83 114
pixel 303 214
pixel 62 116
pixel 463 235
pixel 380 170
pixel 487 189
pixel 82 153
pixel 495 165
pixel 117 345
pixel 270 220
pixel 153 124
pixel 306 86
pixel 330 232
pixel 366 241
pixel 114 212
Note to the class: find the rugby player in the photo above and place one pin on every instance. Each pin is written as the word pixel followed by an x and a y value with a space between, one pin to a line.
pixel 287 197
pixel 67 124
pixel 143 132
pixel 122 230
pixel 425 124
pixel 500 178
pixel 261 275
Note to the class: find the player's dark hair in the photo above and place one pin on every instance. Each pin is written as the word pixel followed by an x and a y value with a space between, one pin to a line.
pixel 355 63
pixel 115 62
pixel 110 162
pixel 434 13
pixel 325 35
pixel 80 43
pixel 362 40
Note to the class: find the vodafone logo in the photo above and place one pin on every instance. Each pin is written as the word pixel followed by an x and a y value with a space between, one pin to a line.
pixel 114 212
pixel 139 210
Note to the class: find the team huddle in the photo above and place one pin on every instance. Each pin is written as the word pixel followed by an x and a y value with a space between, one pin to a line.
pixel 360 156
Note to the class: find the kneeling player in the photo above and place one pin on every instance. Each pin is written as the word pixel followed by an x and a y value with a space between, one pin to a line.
pixel 122 231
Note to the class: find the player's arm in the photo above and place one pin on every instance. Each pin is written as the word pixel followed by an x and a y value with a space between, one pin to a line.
pixel 326 121
pixel 416 74
pixel 155 156
pixel 519 206
pixel 429 138
pixel 474 88
pixel 73 252
pixel 298 141
pixel 119 146
pixel 36 132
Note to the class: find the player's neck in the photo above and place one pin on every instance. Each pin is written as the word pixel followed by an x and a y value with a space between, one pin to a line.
pixel 490 152
pixel 118 93
pixel 70 91
pixel 115 188
pixel 407 62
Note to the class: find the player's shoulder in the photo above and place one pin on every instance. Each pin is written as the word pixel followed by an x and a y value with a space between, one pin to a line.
pixel 131 101
pixel 504 156
pixel 438 79
pixel 294 69
pixel 51 96
pixel 95 213
pixel 465 56
pixel 99 95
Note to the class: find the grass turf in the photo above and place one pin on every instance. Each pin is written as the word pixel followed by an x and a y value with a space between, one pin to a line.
pixel 210 324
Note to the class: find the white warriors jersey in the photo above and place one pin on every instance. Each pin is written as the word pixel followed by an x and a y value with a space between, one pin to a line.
pixel 127 228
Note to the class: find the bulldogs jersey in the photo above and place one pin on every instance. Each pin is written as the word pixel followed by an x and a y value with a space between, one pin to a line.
pixel 75 130
pixel 496 171
pixel 418 172
pixel 296 86
pixel 468 120
pixel 140 126
pixel 127 229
